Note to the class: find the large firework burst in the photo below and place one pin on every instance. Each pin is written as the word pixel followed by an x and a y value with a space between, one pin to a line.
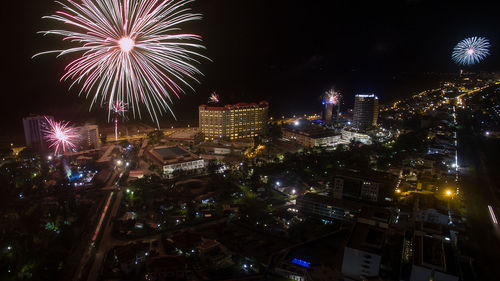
pixel 130 51
pixel 471 50
pixel 332 97
pixel 60 135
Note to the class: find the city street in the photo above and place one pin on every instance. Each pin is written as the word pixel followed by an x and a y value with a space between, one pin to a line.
pixel 87 246
pixel 107 241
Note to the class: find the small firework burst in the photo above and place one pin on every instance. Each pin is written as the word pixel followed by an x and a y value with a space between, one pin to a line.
pixel 214 98
pixel 60 135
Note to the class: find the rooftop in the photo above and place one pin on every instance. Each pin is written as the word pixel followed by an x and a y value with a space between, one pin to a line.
pixel 170 152
pixel 349 205
pixel 310 130
pixel 235 106
pixel 324 251
pixel 371 175
pixel 166 263
pixel 429 252
pixel 375 213
pixel 184 134
pixel 367 238
pixel 172 155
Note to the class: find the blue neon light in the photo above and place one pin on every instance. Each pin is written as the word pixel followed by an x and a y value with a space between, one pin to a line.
pixel 301 263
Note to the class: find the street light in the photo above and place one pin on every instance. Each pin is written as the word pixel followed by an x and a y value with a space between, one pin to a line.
pixel 448 193
pixel 119 162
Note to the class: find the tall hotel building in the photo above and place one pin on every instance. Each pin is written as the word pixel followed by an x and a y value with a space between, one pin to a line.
pixel 365 111
pixel 33 132
pixel 327 111
pixel 238 121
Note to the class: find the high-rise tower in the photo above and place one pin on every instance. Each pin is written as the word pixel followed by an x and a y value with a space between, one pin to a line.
pixel 365 111
pixel 33 132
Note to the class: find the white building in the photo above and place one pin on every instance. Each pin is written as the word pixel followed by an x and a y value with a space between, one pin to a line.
pixel 350 135
pixel 363 254
pixel 312 137
pixel 175 158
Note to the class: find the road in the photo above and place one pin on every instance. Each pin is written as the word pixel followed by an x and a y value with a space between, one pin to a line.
pixel 87 246
pixel 107 241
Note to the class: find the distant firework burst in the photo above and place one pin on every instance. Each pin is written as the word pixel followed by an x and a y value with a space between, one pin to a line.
pixel 471 50
pixel 214 98
pixel 119 108
pixel 332 97
pixel 60 135
pixel 129 51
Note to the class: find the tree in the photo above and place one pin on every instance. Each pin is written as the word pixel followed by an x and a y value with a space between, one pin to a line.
pixel 275 132
pixel 27 153
pixel 155 136
pixel 5 152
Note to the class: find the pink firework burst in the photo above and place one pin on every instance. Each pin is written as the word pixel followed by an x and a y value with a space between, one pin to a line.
pixel 129 51
pixel 60 135
pixel 119 108
pixel 214 98
pixel 332 97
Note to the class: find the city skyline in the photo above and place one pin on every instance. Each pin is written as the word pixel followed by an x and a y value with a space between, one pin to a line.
pixel 384 59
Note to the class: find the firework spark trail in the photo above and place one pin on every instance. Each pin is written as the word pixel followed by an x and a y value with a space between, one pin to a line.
pixel 60 135
pixel 471 50
pixel 130 51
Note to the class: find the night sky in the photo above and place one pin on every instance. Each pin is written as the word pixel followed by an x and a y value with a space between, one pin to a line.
pixel 286 52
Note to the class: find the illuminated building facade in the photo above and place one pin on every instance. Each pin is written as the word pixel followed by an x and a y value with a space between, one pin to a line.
pixel 231 122
pixel 365 111
pixel 89 136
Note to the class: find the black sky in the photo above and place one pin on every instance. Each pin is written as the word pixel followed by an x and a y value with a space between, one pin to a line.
pixel 287 52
